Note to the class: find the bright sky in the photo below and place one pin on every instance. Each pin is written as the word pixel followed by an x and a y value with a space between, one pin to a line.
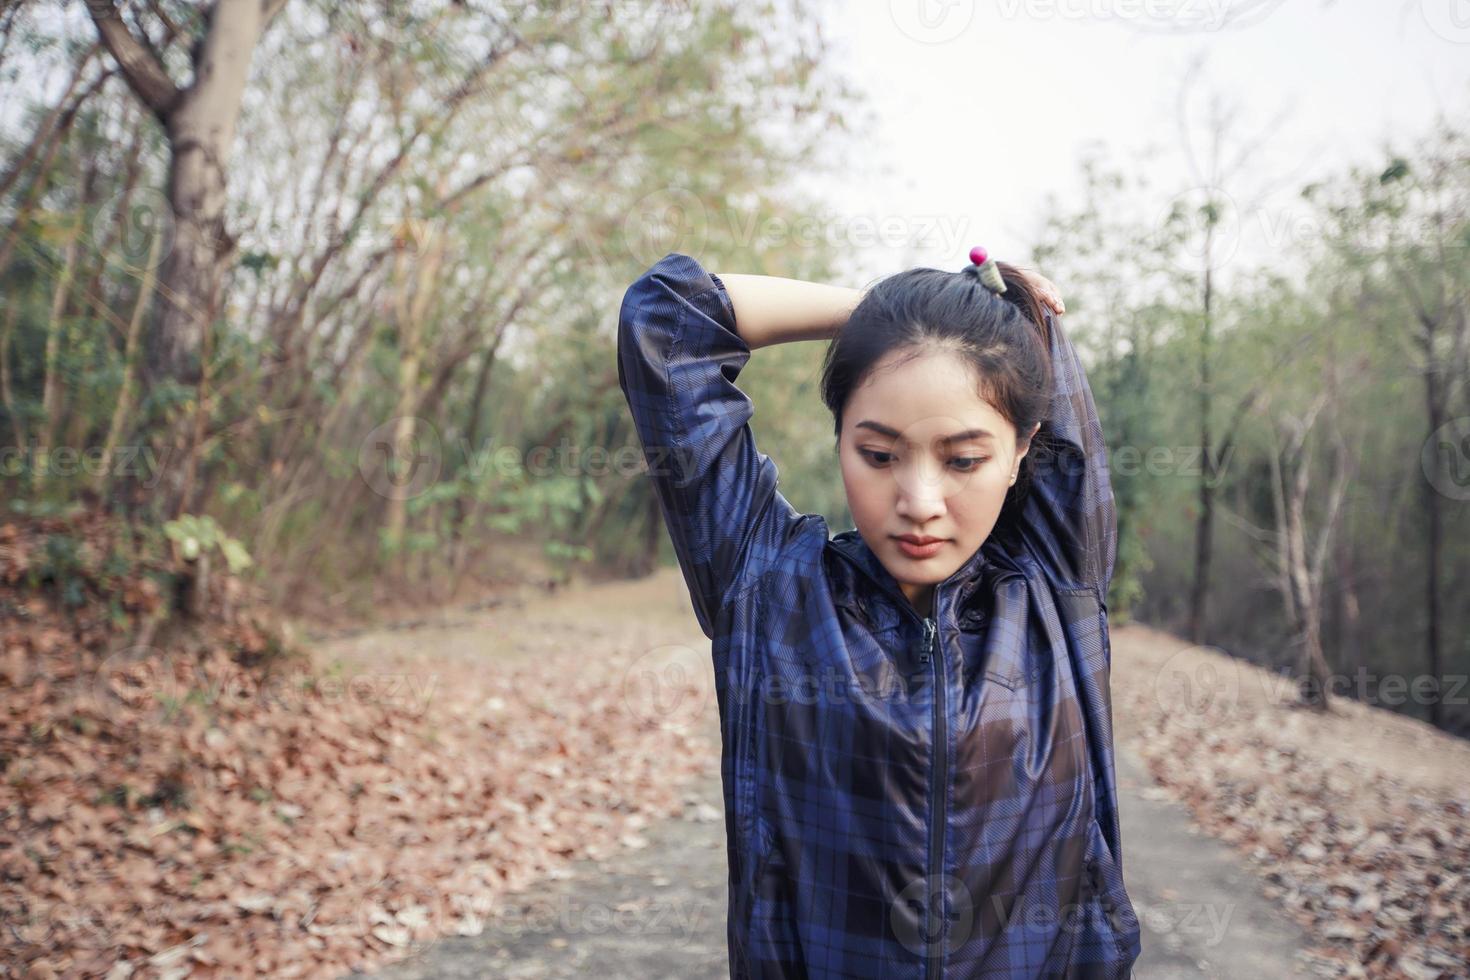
pixel 983 107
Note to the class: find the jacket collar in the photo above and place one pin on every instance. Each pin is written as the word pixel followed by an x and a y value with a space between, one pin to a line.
pixel 989 561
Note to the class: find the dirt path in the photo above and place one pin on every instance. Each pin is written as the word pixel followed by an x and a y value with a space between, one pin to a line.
pixel 657 909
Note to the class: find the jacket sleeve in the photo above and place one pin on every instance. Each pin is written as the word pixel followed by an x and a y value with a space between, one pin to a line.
pixel 678 357
pixel 1069 521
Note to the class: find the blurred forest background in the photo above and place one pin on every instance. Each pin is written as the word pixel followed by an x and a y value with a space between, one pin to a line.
pixel 307 310
pixel 324 294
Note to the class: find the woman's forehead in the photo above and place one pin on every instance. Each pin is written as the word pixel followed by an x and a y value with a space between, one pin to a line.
pixel 926 398
pixel 974 433
pixel 942 367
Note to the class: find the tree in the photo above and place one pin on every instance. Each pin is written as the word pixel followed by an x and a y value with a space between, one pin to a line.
pixel 1123 295
pixel 1295 551
pixel 1406 227
pixel 199 117
pixel 1209 203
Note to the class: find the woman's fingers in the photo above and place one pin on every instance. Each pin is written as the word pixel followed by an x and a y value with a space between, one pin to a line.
pixel 1046 290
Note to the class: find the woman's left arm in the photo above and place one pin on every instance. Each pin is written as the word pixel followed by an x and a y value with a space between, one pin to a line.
pixel 1069 518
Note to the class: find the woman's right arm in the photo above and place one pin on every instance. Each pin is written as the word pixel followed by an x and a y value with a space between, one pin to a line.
pixel 684 334
pixel 772 310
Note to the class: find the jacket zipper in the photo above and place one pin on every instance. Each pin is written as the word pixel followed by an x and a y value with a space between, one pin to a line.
pixel 938 784
pixel 939 772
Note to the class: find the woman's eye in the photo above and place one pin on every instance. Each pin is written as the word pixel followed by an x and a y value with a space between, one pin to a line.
pixel 965 464
pixel 873 454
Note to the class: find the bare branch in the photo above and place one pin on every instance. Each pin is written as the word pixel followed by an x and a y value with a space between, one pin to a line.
pixel 145 74
pixel 44 131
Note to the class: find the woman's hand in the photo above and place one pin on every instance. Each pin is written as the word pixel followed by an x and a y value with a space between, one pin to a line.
pixel 1046 290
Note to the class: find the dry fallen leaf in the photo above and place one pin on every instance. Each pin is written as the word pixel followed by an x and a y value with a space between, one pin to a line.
pixel 185 813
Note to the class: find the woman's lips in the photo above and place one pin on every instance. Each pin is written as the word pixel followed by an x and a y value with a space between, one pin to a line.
pixel 920 551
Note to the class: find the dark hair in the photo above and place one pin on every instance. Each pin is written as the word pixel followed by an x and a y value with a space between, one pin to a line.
pixel 1002 336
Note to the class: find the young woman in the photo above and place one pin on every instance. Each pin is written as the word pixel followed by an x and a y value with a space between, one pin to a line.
pixel 917 730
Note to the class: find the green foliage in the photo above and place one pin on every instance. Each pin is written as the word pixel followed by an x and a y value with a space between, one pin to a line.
pixel 600 138
pixel 62 565
pixel 1398 169
pixel 197 534
pixel 42 507
pixel 674 94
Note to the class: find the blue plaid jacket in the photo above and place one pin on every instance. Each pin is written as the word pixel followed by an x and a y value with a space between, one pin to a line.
pixel 904 796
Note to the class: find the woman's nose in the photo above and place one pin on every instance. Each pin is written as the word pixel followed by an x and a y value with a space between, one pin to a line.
pixel 921 492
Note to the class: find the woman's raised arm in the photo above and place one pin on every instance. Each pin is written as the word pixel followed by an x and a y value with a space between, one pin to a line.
pixel 679 353
pixel 1068 517
pixel 772 310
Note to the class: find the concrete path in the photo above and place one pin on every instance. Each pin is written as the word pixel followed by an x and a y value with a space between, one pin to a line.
pixel 1202 911
pixel 659 911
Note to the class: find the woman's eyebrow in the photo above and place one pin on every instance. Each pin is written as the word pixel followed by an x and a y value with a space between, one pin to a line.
pixel 893 433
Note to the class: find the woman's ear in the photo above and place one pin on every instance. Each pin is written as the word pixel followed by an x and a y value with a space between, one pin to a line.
pixel 1023 444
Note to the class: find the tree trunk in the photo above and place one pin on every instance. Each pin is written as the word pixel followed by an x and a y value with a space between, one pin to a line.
pixel 459 546
pixel 199 122
pixel 1205 521
pixel 7 395
pixel 124 406
pixel 51 387
pixel 414 295
pixel 1434 410
pixel 1314 676
pixel 1300 560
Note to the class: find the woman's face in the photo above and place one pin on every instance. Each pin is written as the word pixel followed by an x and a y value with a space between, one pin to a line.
pixel 924 455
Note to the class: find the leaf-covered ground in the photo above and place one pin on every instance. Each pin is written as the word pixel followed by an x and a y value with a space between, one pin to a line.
pixel 222 812
pixel 170 816
pixel 1355 819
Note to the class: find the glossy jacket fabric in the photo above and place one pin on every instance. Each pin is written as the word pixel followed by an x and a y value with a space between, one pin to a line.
pixel 904 796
